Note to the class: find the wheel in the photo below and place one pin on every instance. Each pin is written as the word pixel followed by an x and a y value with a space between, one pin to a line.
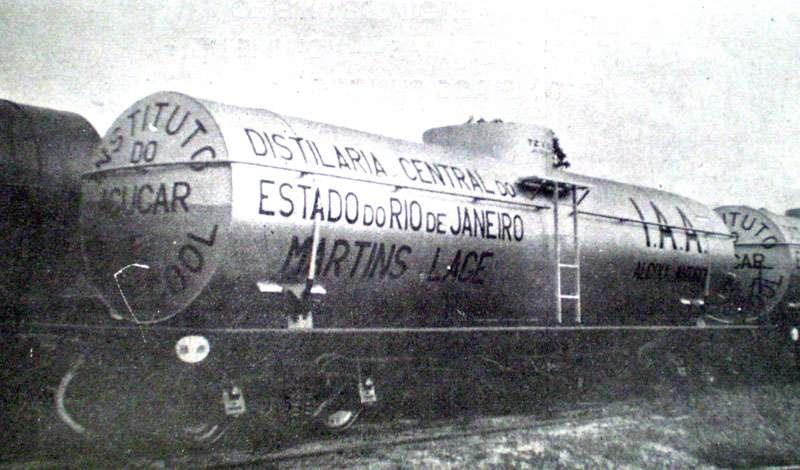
pixel 705 375
pixel 338 413
pixel 662 367
pixel 60 393
pixel 203 423
pixel 203 434
pixel 342 407
pixel 340 420
pixel 718 358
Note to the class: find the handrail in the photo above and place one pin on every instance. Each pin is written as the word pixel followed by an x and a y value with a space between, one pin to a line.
pixel 622 219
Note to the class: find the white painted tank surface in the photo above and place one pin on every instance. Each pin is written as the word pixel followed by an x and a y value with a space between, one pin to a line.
pixel 767 260
pixel 209 214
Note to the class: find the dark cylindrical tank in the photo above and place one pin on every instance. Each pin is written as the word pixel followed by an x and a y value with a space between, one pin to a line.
pixel 793 213
pixel 767 261
pixel 206 213
pixel 40 256
pixel 40 184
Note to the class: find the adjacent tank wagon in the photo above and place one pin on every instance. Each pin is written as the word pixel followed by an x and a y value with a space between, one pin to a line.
pixel 767 269
pixel 40 257
pixel 41 151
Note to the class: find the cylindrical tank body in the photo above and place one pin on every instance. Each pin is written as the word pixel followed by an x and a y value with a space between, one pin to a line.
pixel 40 256
pixel 40 153
pixel 767 261
pixel 201 213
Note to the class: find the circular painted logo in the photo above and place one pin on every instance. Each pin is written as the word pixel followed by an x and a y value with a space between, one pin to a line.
pixel 155 208
pixel 761 270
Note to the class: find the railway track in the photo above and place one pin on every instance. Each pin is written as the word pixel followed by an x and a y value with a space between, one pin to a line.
pixel 362 438
pixel 384 435
pixel 565 428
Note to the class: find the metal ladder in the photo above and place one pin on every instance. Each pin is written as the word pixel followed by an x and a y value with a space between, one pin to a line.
pixel 575 265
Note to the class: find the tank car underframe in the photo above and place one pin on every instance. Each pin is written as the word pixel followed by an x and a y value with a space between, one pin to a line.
pixel 286 380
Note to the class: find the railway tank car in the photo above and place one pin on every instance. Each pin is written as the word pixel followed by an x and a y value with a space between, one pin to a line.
pixel 40 155
pixel 197 211
pixel 40 258
pixel 767 251
pixel 269 265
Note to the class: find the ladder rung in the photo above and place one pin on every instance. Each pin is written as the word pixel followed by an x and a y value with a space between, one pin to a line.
pixel 570 266
pixel 573 297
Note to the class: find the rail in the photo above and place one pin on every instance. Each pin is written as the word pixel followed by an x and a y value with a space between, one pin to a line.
pixel 356 445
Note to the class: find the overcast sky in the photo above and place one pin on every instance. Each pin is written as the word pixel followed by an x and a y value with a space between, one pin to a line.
pixel 698 98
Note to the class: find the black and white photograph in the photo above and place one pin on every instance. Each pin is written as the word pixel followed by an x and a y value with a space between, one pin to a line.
pixel 399 234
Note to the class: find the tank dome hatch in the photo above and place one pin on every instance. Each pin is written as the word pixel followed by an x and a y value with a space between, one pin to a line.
pixel 525 145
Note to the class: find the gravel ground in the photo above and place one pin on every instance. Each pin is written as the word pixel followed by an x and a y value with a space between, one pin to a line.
pixel 745 426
